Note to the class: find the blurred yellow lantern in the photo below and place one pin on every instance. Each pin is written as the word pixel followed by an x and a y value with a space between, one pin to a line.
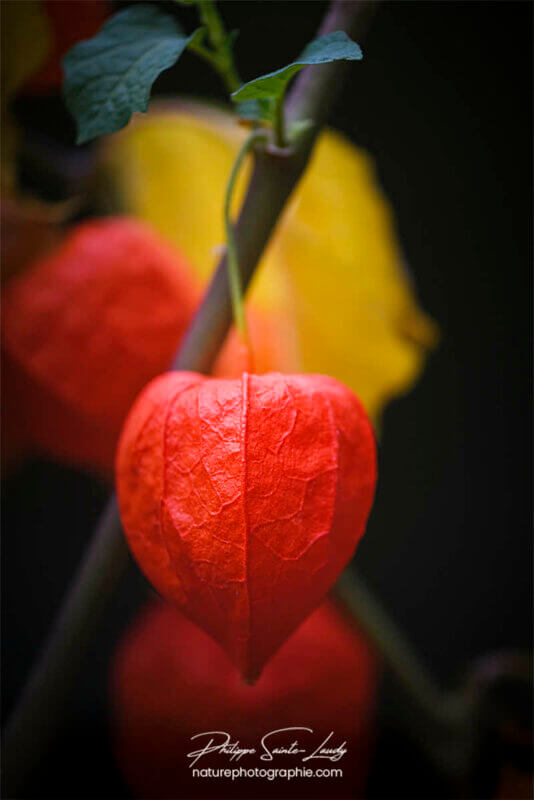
pixel 330 290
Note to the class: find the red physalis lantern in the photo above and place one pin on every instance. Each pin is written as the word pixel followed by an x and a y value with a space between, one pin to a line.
pixel 244 499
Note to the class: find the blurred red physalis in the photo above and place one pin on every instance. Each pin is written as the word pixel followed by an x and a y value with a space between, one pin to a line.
pixel 70 21
pixel 170 682
pixel 244 499
pixel 83 330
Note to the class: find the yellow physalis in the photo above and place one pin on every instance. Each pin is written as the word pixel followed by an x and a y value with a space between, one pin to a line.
pixel 331 286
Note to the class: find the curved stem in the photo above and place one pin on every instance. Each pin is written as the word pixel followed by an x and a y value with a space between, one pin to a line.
pixel 234 275
pixel 274 177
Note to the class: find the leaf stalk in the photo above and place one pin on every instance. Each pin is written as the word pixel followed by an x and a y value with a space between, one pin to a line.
pixel 234 274
pixel 221 56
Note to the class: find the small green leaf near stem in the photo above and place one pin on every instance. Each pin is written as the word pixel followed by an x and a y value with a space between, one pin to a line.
pixel 263 98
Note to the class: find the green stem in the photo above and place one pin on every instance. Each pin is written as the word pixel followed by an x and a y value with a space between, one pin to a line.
pixel 213 22
pixel 208 55
pixel 232 260
pixel 221 57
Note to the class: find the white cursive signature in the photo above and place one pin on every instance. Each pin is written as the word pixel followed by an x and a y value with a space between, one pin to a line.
pixel 225 746
pixel 272 744
pixel 285 751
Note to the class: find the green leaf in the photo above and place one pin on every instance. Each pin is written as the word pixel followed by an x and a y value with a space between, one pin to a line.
pixel 333 47
pixel 110 76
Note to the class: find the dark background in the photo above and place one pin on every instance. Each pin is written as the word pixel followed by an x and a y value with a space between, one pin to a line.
pixel 443 102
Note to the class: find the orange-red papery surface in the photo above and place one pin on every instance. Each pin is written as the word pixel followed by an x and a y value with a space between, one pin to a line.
pixel 87 326
pixel 83 330
pixel 244 499
pixel 170 682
